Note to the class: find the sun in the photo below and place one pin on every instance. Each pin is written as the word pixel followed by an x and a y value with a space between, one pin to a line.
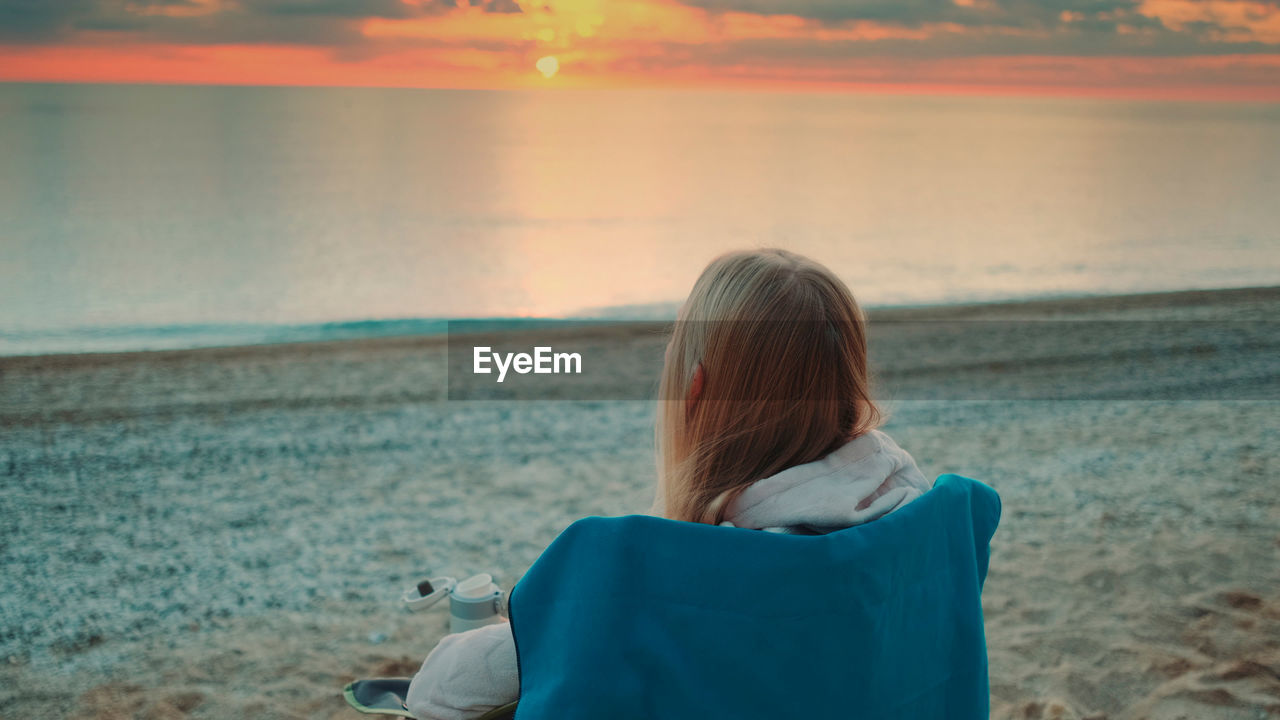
pixel 548 66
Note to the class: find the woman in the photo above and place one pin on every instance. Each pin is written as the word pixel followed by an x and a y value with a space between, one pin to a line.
pixel 765 421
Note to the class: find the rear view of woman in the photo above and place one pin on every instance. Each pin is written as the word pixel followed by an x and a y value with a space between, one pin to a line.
pixel 765 421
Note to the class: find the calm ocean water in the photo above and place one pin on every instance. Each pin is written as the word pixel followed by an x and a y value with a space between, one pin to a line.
pixel 135 217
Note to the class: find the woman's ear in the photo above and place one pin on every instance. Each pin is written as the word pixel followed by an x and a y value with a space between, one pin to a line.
pixel 695 388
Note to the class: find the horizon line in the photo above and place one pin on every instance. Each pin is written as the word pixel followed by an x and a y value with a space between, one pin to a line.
pixel 1187 94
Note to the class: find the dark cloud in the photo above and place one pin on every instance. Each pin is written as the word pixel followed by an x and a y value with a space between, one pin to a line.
pixel 338 8
pixel 914 13
pixel 500 6
pixel 300 22
pixel 897 12
pixel 991 27
pixel 39 20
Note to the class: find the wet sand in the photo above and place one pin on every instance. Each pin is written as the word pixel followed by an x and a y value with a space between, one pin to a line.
pixel 225 533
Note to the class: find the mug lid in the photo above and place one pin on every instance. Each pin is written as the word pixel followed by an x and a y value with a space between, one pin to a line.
pixel 428 592
pixel 475 587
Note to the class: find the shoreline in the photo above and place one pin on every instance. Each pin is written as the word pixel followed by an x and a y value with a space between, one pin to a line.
pixel 1193 345
pixel 1047 307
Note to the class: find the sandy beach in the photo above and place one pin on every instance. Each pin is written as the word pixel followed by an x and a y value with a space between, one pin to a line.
pixel 226 532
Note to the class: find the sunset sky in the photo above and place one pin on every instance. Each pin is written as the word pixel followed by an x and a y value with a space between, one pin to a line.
pixel 1201 49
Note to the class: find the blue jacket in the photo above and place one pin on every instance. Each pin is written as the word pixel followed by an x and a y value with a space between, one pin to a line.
pixel 640 617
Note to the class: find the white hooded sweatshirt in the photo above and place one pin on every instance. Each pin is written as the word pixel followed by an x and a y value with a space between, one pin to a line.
pixel 471 673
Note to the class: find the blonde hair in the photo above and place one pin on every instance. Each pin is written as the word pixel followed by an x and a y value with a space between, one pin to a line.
pixel 783 349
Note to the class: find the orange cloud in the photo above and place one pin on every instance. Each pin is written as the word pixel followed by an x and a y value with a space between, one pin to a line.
pixel 1234 20
pixel 1219 49
pixel 261 65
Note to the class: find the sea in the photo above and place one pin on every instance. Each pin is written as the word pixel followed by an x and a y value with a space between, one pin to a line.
pixel 149 217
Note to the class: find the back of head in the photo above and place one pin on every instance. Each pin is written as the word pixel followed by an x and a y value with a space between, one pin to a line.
pixel 782 346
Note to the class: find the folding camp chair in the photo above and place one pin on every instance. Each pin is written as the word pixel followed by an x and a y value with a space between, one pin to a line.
pixel 641 618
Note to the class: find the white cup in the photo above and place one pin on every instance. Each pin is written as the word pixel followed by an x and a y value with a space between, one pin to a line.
pixel 474 602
